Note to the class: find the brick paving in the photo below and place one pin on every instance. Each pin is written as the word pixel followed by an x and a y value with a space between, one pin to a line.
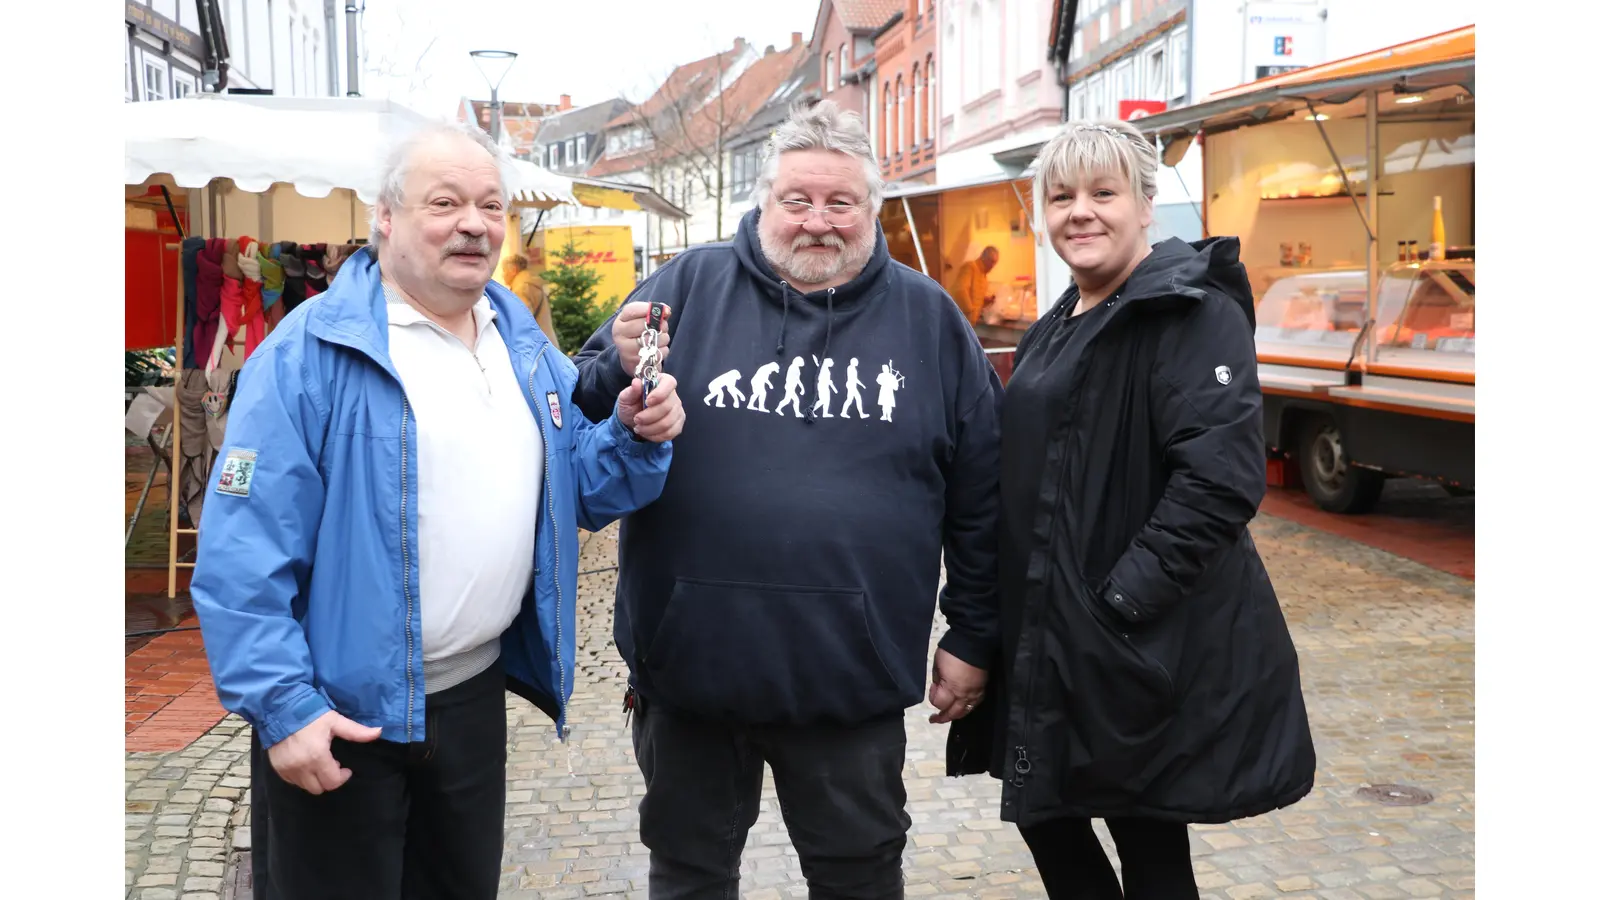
pixel 1414 519
pixel 1387 651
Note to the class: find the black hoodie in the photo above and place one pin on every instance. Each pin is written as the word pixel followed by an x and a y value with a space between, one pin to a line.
pixel 836 443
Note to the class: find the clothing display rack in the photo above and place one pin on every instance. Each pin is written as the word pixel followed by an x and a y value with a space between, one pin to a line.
pixel 302 277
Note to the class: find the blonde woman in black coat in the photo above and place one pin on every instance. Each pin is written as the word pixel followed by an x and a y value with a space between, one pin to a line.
pixel 1146 675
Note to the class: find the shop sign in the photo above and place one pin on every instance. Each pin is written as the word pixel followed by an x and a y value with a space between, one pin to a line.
pixel 1281 37
pixel 152 22
pixel 1131 110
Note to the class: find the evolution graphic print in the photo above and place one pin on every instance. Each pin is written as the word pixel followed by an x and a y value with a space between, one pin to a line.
pixel 723 391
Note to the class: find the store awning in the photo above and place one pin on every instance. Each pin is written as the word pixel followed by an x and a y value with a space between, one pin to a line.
pixel 1442 61
pixel 316 144
pixel 896 191
pixel 596 192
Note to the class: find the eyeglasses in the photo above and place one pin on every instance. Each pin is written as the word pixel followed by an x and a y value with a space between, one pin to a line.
pixel 838 215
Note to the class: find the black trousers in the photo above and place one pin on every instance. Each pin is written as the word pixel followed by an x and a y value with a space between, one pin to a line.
pixel 1073 865
pixel 415 821
pixel 840 790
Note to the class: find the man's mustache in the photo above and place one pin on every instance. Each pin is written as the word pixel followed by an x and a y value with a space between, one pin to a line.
pixel 826 240
pixel 458 246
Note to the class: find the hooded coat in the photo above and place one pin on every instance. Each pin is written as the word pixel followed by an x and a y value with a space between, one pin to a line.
pixel 1145 669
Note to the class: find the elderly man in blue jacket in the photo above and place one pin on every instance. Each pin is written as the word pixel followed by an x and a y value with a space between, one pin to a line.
pixel 393 541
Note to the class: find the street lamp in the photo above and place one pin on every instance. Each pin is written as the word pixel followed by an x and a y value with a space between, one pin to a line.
pixel 494 64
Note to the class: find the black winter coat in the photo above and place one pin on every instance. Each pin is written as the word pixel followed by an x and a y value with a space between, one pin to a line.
pixel 1146 668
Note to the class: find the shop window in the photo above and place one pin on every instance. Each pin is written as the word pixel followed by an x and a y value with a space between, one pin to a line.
pixel 930 93
pixel 183 85
pixel 827 66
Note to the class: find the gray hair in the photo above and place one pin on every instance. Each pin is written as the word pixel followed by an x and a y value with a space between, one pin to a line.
pixel 1109 146
pixel 392 180
pixel 821 126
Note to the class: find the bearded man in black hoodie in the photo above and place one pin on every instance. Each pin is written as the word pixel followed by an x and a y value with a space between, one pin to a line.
pixel 775 604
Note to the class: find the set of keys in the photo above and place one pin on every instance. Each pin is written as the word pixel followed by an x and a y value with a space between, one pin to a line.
pixel 649 368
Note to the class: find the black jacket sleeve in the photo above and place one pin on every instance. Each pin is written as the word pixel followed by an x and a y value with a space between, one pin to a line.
pixel 971 599
pixel 1206 411
pixel 600 375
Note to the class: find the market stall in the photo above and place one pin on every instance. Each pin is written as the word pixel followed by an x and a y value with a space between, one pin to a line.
pixel 272 194
pixel 1351 188
pixel 942 232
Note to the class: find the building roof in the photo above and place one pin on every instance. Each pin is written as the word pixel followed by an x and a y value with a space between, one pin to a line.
pixel 804 82
pixel 857 15
pixel 585 120
pixel 686 87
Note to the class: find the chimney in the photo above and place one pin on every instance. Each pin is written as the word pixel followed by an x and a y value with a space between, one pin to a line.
pixel 794 39
pixel 770 50
pixel 738 46
pixel 566 103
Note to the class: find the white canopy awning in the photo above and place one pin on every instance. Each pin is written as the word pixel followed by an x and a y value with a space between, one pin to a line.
pixel 317 145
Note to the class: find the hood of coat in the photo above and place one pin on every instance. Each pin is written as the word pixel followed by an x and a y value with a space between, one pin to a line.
pixel 1208 267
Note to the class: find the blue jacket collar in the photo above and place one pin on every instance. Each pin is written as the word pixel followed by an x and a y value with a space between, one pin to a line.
pixel 353 312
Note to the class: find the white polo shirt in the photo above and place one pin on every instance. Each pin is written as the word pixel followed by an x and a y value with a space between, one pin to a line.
pixel 480 467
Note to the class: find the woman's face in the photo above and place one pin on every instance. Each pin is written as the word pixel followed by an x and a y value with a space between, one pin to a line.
pixel 1097 225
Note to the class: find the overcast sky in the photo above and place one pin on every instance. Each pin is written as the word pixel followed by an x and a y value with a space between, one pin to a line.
pixel 591 49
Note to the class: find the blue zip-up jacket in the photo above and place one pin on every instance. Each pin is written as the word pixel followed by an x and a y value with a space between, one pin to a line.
pixel 306 582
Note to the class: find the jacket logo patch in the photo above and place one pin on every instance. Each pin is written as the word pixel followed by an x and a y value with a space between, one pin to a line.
pixel 1224 374
pixel 723 390
pixel 238 470
pixel 555 407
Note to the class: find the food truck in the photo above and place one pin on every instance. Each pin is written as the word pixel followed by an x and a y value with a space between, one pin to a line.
pixel 1350 187
pixel 939 229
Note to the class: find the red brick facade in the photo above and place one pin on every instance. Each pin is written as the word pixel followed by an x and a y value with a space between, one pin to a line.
pixel 907 94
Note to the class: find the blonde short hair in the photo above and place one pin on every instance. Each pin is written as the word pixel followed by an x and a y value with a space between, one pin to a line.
pixel 1096 148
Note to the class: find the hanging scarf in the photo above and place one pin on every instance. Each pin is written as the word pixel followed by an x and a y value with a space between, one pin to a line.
pixel 191 272
pixel 208 297
pixel 255 324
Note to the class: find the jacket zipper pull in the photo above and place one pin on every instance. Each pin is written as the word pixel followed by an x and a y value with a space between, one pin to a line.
pixel 1022 766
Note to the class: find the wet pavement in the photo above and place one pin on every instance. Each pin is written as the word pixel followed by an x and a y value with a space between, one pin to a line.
pixel 1387 655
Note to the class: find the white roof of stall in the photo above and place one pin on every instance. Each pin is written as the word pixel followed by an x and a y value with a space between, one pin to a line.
pixel 315 144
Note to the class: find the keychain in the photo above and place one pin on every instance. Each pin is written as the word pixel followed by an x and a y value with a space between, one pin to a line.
pixel 649 368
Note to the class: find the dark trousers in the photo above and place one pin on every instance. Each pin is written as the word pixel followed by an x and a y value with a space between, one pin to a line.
pixel 415 821
pixel 1073 865
pixel 839 788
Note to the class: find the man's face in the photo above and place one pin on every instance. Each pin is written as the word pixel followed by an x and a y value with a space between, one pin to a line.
pixel 828 246
pixel 451 220
pixel 988 260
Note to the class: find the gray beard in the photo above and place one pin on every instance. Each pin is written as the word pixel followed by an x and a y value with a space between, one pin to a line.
pixel 793 265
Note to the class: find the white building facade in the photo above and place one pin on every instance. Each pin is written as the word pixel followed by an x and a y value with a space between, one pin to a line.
pixel 288 47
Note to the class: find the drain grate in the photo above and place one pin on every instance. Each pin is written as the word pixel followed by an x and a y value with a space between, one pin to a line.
pixel 1395 794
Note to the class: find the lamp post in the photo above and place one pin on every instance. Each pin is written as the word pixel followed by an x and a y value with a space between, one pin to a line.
pixel 494 64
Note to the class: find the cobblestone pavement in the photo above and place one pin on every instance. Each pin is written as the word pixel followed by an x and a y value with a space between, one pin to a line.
pixel 1387 652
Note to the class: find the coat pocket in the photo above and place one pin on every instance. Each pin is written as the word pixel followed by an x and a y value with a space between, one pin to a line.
pixel 1121 698
pixel 757 653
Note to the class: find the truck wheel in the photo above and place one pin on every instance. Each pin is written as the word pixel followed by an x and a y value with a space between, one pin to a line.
pixel 1332 482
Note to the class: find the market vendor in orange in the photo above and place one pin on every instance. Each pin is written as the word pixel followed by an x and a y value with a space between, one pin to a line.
pixel 971 287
